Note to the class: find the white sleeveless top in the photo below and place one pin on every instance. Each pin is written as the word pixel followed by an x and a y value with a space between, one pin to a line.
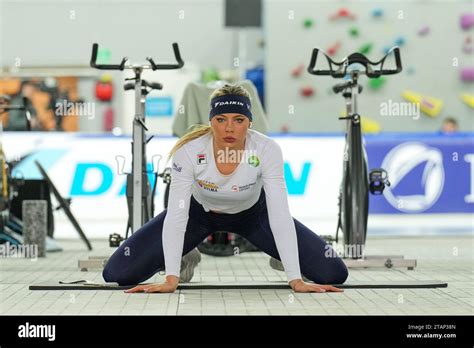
pixel 194 172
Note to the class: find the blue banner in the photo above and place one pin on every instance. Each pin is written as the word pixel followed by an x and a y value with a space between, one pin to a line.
pixel 428 174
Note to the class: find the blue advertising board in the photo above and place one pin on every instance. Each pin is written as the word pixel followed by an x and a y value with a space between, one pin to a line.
pixel 428 174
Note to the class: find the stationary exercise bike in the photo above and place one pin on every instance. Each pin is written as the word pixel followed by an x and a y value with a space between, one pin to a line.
pixel 357 181
pixel 140 195
pixel 138 190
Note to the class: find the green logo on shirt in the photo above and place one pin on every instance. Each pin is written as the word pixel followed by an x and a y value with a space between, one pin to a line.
pixel 254 161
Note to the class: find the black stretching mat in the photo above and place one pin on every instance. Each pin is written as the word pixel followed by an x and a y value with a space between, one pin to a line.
pixel 86 285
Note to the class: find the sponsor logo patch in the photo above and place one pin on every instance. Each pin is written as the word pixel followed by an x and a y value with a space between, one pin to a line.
pixel 254 161
pixel 236 188
pixel 201 158
pixel 177 168
pixel 207 185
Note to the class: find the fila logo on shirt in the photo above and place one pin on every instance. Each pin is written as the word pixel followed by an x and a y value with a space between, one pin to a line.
pixel 201 158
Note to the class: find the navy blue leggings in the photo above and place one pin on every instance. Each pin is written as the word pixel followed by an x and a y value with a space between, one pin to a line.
pixel 141 255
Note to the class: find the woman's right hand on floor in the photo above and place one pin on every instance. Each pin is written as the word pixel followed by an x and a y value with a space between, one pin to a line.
pixel 298 285
pixel 169 285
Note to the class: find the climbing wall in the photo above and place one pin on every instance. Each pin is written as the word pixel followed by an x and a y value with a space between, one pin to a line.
pixel 436 42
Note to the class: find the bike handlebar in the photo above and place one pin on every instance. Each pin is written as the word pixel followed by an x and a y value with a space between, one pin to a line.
pixel 95 49
pixel 122 66
pixel 177 56
pixel 352 59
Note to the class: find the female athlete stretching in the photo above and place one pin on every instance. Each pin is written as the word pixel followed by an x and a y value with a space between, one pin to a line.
pixel 225 177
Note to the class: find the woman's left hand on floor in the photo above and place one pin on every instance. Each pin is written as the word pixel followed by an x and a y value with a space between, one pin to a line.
pixel 169 285
pixel 298 285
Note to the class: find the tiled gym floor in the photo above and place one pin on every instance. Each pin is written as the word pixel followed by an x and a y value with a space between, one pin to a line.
pixel 443 258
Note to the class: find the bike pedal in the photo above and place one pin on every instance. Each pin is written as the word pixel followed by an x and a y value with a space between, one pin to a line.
pixel 378 180
pixel 115 239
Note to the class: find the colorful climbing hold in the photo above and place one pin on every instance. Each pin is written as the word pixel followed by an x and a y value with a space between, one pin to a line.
pixel 466 21
pixel 369 125
pixel 424 30
pixel 334 48
pixel 354 32
pixel 400 41
pixel 209 75
pixel 377 83
pixel 377 12
pixel 296 72
pixel 429 105
pixel 308 23
pixel 468 99
pixel 467 74
pixel 342 13
pixel 106 78
pixel 307 91
pixel 467 46
pixel 366 48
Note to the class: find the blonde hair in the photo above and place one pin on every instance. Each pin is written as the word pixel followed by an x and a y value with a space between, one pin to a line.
pixel 198 130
